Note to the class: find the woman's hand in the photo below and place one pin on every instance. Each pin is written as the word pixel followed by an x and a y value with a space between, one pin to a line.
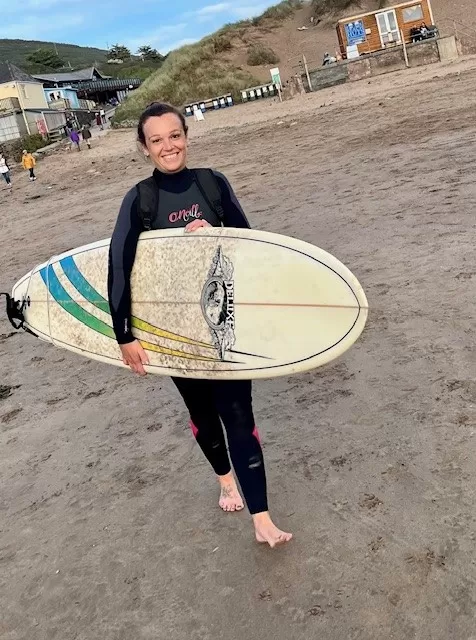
pixel 196 224
pixel 134 356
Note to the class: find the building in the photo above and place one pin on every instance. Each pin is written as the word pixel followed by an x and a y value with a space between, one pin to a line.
pixel 376 30
pixel 64 98
pixel 43 103
pixel 23 106
pixel 91 84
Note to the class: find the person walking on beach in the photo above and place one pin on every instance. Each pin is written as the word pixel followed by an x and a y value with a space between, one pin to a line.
pixel 29 162
pixel 74 137
pixel 5 171
pixel 163 136
pixel 86 133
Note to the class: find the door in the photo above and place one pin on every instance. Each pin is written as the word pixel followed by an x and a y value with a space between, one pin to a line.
pixel 388 27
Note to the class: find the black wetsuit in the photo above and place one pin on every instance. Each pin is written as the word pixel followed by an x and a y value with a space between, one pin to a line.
pixel 208 401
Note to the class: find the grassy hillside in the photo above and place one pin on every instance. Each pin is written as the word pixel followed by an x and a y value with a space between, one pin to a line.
pixel 16 51
pixel 210 67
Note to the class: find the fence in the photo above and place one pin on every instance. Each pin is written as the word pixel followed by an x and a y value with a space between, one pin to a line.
pixel 62 103
pixel 212 104
pixel 257 93
pixel 465 34
pixel 380 62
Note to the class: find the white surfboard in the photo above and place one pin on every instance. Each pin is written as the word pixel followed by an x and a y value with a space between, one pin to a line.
pixel 218 303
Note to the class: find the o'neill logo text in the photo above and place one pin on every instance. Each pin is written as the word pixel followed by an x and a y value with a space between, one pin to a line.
pixel 193 213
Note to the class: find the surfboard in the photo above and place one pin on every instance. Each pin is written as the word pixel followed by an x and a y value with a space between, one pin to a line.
pixel 219 303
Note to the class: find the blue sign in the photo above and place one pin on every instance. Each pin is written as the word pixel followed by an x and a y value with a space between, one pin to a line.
pixel 355 32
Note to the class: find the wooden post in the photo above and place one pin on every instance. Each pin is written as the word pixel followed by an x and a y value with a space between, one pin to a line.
pixel 405 52
pixel 306 68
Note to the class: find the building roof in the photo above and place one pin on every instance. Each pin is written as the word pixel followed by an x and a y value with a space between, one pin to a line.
pixel 109 84
pixel 10 73
pixel 71 76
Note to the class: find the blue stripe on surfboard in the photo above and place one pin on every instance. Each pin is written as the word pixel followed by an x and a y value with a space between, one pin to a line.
pixel 65 301
pixel 80 283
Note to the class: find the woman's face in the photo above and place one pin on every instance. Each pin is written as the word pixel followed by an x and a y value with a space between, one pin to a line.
pixel 166 142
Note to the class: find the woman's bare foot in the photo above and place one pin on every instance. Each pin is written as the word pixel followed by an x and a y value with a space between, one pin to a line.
pixel 230 499
pixel 267 531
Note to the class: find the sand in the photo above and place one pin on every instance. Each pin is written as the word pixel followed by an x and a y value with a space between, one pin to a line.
pixel 109 525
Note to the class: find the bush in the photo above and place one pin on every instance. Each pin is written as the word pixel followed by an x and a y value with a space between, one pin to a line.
pixel 14 148
pixel 323 7
pixel 221 43
pixel 189 74
pixel 261 55
pixel 34 142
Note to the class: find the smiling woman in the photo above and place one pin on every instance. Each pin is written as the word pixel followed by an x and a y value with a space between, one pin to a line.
pixel 162 132
pixel 180 199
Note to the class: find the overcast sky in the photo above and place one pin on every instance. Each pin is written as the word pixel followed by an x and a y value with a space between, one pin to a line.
pixel 163 24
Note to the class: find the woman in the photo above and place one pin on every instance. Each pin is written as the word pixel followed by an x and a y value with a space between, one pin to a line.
pixel 86 133
pixel 29 162
pixel 162 133
pixel 5 171
pixel 75 141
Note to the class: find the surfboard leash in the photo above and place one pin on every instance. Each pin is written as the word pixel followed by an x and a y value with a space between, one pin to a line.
pixel 15 311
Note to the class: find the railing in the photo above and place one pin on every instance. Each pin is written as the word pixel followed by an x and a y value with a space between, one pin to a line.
pixel 9 104
pixel 88 105
pixel 456 28
pixel 60 104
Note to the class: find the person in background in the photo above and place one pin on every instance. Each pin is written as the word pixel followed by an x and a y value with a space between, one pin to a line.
pixel 5 171
pixel 86 133
pixel 102 113
pixel 74 137
pixel 99 121
pixel 29 162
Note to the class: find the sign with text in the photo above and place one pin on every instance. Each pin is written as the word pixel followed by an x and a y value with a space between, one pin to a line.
pixel 355 32
pixel 275 76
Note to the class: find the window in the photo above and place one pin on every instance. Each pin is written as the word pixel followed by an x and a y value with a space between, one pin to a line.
pixel 413 14
pixel 9 128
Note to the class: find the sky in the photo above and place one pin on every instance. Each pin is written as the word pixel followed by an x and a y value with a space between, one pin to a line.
pixel 162 24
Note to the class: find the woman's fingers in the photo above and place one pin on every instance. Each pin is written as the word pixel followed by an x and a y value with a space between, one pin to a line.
pixel 134 356
pixel 196 224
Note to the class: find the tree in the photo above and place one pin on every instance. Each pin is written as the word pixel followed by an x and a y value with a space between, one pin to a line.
pixel 46 58
pixel 147 53
pixel 118 52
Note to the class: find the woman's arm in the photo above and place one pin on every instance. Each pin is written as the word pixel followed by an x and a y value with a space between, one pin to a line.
pixel 122 253
pixel 234 214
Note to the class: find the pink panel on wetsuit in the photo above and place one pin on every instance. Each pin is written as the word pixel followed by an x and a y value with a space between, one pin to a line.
pixel 194 429
pixel 256 434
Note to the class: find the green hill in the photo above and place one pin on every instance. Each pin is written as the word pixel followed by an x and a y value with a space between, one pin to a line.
pixel 16 51
pixel 224 62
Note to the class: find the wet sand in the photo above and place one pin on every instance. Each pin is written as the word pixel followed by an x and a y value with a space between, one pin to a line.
pixel 109 524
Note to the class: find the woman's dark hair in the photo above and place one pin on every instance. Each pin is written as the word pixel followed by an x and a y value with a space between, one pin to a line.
pixel 157 109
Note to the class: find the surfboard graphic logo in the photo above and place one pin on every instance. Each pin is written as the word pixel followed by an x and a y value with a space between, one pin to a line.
pixel 218 303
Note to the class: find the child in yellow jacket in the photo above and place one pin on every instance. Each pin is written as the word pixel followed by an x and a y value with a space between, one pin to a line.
pixel 29 162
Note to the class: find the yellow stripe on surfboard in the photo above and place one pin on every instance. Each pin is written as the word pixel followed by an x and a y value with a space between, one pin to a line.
pixel 142 325
pixel 148 346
